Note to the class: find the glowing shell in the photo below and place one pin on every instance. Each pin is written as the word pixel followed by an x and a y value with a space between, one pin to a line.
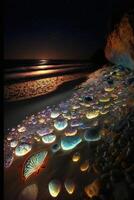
pixel 70 186
pixel 54 187
pixel 34 163
pixel 22 149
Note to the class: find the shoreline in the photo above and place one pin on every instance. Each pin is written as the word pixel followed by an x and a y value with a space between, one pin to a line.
pixel 18 110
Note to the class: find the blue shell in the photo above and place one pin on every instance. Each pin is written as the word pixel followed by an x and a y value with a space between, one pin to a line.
pixel 33 163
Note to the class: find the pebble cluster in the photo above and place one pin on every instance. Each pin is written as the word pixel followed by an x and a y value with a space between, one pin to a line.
pixel 94 117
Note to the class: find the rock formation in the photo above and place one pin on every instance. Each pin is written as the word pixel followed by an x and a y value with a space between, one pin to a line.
pixel 120 43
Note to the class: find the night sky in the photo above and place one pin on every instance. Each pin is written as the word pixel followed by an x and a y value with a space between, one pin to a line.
pixel 58 29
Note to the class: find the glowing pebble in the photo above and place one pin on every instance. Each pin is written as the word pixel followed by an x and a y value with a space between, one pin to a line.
pixel 34 163
pixel 9 137
pixel 70 131
pixel 92 114
pixel 70 186
pixel 82 103
pixel 48 139
pixel 104 112
pixel 109 89
pixel 54 187
pixel 107 105
pixel 75 123
pixel 92 134
pixel 70 142
pixel 29 193
pixel 87 104
pixel 13 143
pixel 41 120
pixel 75 106
pixel 44 131
pixel 76 157
pixel 84 166
pixel 37 138
pixel 67 116
pixel 13 129
pixel 104 99
pixel 60 124
pixel 22 129
pixel 86 101
pixel 22 149
pixel 54 114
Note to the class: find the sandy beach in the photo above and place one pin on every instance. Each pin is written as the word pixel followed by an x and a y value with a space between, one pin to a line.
pixel 18 110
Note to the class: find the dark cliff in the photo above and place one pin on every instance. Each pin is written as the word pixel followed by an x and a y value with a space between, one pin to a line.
pixel 120 42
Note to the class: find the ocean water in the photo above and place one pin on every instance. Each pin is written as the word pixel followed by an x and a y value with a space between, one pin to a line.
pixel 17 70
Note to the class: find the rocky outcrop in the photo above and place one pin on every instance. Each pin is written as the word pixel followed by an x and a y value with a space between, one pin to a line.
pixel 120 43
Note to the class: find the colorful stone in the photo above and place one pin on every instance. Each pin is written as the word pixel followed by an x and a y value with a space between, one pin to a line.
pixel 60 124
pixel 92 114
pixel 70 142
pixel 54 188
pixel 48 139
pixel 76 157
pixel 70 186
pixel 22 149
